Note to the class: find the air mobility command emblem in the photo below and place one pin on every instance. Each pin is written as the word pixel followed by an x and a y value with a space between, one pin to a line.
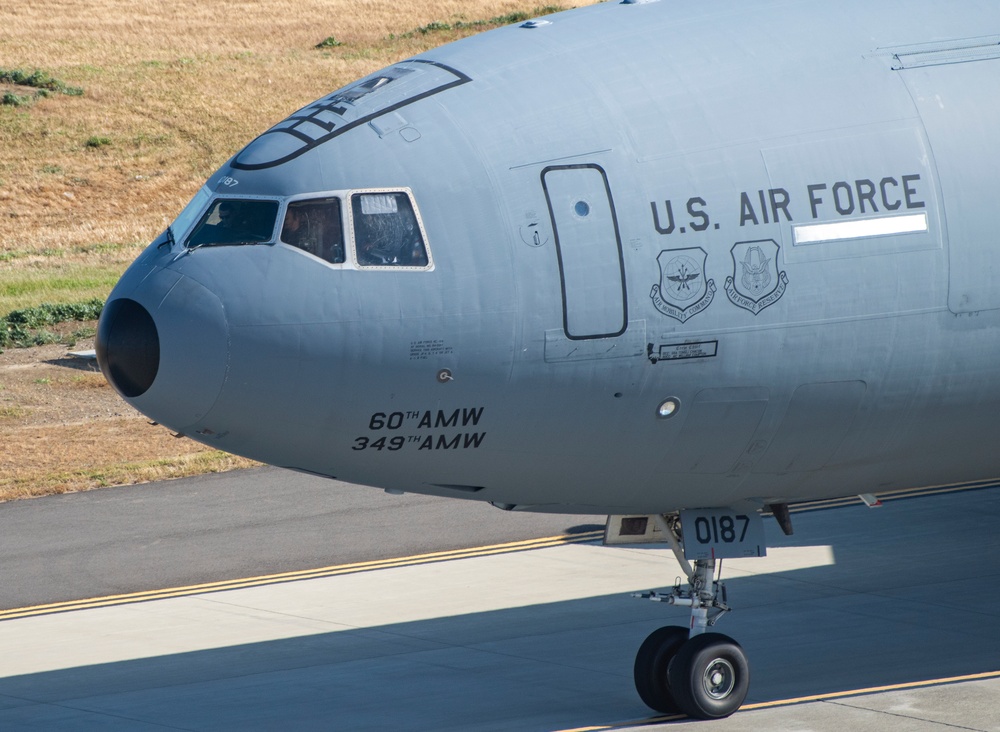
pixel 684 290
pixel 756 282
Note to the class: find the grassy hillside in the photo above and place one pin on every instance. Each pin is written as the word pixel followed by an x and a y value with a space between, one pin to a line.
pixel 113 113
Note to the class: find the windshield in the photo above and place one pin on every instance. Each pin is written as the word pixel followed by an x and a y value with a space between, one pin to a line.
pixel 186 218
pixel 235 221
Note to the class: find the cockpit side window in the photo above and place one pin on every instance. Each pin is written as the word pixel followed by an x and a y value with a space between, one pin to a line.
pixel 386 231
pixel 315 226
pixel 233 221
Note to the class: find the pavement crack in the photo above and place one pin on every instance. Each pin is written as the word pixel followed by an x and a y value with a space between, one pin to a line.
pixel 915 718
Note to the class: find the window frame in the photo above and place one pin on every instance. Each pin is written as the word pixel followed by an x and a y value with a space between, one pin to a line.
pixel 355 261
pixel 345 197
pixel 317 196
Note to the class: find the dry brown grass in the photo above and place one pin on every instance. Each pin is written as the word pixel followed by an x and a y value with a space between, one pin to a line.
pixel 174 88
pixel 62 429
pixel 74 457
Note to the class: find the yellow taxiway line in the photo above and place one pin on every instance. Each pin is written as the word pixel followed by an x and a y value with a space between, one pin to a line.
pixel 442 556
pixel 270 579
pixel 799 700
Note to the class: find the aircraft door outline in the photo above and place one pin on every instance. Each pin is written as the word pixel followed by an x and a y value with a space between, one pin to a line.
pixel 588 249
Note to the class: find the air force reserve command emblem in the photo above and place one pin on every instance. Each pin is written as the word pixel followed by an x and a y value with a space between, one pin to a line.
pixel 684 290
pixel 756 282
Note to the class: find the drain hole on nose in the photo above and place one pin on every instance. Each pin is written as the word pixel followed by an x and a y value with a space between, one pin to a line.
pixel 128 347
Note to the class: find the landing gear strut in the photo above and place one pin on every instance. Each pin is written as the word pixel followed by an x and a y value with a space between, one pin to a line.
pixel 690 670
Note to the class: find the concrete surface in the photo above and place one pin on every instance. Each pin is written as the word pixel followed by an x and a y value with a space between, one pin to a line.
pixel 542 639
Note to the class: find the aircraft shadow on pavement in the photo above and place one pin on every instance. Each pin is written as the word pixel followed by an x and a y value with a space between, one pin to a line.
pixel 913 595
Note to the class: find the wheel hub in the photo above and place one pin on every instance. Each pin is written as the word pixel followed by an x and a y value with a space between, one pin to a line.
pixel 720 678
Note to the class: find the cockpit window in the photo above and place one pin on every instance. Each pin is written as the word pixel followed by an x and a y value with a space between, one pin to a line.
pixel 315 227
pixel 386 231
pixel 187 218
pixel 232 221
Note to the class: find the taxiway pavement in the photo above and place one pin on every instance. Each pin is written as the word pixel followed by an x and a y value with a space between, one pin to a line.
pixel 539 639
pixel 237 524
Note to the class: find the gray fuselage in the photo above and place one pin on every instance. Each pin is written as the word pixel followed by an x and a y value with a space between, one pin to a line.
pixel 771 221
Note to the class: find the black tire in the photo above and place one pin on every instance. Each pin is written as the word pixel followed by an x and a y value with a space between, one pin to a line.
pixel 709 676
pixel 651 663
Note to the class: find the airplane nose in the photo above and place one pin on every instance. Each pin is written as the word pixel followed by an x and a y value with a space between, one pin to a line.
pixel 163 344
pixel 128 347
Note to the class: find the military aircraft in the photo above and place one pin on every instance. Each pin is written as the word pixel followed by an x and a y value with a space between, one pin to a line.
pixel 681 261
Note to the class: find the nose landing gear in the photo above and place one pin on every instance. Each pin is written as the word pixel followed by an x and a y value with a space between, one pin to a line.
pixel 690 670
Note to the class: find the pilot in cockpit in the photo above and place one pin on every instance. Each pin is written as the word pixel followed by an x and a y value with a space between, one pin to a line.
pixel 315 226
pixel 293 232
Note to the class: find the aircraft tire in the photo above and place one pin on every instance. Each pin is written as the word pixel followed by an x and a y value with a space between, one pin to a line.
pixel 651 663
pixel 709 676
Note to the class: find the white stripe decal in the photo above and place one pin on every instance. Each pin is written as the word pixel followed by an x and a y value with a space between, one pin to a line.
pixel 859 229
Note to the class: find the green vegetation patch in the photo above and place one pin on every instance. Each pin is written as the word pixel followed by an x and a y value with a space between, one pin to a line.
pixel 41 81
pixel 13 411
pixel 27 327
pixel 10 99
pixel 59 282
pixel 102 247
pixel 38 79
